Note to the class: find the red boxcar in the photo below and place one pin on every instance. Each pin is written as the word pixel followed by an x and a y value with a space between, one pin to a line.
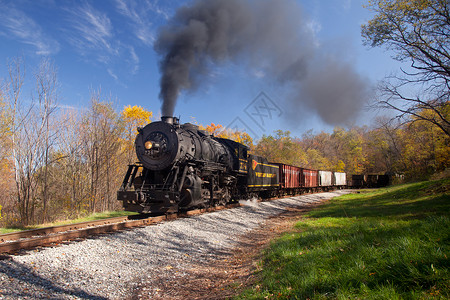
pixel 289 176
pixel 309 178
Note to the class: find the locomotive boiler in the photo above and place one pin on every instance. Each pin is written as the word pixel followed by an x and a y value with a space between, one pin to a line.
pixel 182 167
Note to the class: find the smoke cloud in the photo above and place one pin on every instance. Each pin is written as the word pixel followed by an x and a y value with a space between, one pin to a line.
pixel 271 36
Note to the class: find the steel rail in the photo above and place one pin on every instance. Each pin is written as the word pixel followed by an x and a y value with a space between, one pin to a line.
pixel 55 229
pixel 12 242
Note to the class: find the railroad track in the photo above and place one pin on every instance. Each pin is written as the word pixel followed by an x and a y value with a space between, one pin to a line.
pixel 50 236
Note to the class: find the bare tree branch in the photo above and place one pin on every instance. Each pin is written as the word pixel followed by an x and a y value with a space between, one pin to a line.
pixel 418 31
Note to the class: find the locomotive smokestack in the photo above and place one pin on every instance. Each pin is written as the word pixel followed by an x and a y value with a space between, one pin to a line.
pixel 170 120
pixel 167 119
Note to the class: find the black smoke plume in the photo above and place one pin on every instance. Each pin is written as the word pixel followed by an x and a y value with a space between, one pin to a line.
pixel 266 35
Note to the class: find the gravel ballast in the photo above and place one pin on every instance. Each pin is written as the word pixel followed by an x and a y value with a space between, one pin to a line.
pixel 112 266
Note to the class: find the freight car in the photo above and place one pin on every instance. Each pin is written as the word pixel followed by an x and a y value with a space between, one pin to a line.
pixel 370 181
pixel 339 179
pixel 182 167
pixel 310 181
pixel 290 179
pixel 325 179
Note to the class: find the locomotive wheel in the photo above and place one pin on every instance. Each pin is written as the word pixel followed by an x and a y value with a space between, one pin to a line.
pixel 218 196
pixel 206 196
pixel 226 195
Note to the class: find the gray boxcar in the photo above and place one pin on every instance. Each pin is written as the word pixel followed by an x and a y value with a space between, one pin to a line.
pixel 340 179
pixel 325 178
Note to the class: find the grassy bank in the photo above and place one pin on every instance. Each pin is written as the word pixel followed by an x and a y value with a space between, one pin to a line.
pixel 390 243
pixel 91 217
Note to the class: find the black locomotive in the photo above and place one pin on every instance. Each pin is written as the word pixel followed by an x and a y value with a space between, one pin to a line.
pixel 181 167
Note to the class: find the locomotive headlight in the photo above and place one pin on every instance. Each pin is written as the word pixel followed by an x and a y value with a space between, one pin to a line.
pixel 151 145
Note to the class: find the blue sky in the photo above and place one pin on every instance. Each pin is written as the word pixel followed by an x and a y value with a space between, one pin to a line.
pixel 109 45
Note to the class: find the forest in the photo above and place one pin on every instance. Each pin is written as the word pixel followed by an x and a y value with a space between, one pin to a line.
pixel 59 163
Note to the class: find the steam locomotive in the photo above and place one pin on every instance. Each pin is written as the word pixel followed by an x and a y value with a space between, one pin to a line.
pixel 182 167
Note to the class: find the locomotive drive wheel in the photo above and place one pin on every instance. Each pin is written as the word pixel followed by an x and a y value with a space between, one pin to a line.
pixel 206 196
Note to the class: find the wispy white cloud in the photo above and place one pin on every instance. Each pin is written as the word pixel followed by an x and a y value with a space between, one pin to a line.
pixel 116 78
pixel 17 25
pixel 93 30
pixel 314 28
pixel 140 14
pixel 259 73
pixel 112 74
pixel 134 61
pixel 347 5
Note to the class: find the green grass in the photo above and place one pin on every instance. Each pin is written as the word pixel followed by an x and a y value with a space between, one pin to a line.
pixel 391 243
pixel 92 217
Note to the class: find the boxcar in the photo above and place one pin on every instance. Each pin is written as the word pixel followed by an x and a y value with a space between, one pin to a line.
pixel 383 180
pixel 358 181
pixel 309 179
pixel 290 178
pixel 374 181
pixel 339 179
pixel 325 178
pixel 371 180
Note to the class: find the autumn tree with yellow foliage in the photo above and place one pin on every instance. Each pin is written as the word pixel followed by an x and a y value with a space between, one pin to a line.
pixel 226 133
pixel 426 149
pixel 5 164
pixel 132 117
pixel 282 148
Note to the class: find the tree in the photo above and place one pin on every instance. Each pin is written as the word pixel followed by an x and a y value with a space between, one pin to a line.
pixel 281 148
pixel 340 151
pixel 23 157
pixel 100 135
pixel 5 130
pixel 46 89
pixel 31 135
pixel 5 162
pixel 73 181
pixel 349 147
pixel 384 147
pixel 133 117
pixel 419 32
pixel 227 133
pixel 432 156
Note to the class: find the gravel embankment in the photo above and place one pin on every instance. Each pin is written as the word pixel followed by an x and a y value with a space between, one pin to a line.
pixel 111 266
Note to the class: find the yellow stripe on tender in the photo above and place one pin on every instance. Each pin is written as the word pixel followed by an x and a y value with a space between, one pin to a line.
pixel 259 185
pixel 265 175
